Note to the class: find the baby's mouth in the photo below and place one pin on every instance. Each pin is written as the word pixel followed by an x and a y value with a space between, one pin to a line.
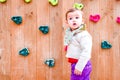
pixel 74 24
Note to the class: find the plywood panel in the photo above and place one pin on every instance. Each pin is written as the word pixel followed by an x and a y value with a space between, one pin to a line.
pixel 106 33
pixel 43 46
pixel 116 41
pixel 56 41
pixel 17 42
pixel 30 30
pixel 43 40
pixel 5 46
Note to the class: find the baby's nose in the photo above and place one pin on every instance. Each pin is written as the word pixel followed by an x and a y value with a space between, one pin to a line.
pixel 74 20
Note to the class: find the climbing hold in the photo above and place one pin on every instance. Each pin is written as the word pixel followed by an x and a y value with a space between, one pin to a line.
pixel 78 6
pixel 24 52
pixel 50 62
pixel 3 1
pixel 28 1
pixel 53 2
pixel 105 45
pixel 17 19
pixel 44 29
pixel 118 20
pixel 94 18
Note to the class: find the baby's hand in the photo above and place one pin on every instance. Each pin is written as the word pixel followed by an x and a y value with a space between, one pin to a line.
pixel 77 72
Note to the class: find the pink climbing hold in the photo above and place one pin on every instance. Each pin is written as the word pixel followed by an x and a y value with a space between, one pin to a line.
pixel 118 20
pixel 95 18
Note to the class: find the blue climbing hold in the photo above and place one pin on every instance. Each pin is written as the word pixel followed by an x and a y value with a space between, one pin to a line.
pixel 44 29
pixel 17 19
pixel 105 45
pixel 50 62
pixel 24 52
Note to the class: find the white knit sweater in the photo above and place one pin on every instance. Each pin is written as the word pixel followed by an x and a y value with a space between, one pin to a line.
pixel 79 48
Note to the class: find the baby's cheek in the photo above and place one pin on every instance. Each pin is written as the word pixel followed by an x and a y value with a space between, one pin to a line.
pixel 69 22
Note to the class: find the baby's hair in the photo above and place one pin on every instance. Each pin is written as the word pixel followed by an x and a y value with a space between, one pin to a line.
pixel 72 10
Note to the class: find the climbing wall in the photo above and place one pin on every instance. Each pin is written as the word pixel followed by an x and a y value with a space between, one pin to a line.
pixel 15 37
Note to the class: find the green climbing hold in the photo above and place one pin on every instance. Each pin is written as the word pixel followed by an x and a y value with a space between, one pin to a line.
pixel 27 1
pixel 78 6
pixel 3 1
pixel 24 52
pixel 44 29
pixel 17 19
pixel 105 45
pixel 50 62
pixel 53 2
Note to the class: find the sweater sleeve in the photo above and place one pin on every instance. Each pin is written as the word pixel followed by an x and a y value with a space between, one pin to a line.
pixel 85 55
pixel 65 37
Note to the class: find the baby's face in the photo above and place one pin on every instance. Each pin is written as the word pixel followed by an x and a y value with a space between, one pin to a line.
pixel 74 19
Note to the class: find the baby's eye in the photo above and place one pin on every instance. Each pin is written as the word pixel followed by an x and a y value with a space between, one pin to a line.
pixel 76 17
pixel 70 18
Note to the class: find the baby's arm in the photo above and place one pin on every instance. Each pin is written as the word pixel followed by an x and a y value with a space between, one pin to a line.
pixel 85 55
